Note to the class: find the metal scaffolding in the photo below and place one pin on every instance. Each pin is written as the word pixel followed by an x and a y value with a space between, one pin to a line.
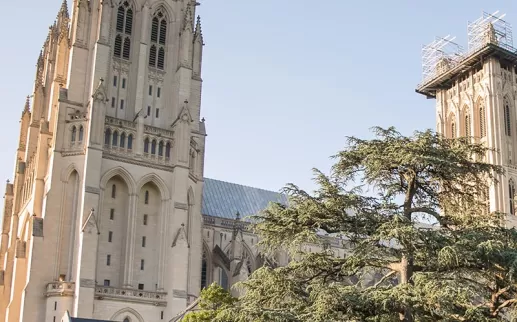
pixel 439 56
pixel 490 28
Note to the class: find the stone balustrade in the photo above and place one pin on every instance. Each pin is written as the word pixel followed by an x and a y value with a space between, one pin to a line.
pixel 130 295
pixel 60 289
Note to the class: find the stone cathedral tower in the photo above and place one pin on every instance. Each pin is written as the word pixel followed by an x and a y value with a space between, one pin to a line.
pixel 105 205
pixel 475 92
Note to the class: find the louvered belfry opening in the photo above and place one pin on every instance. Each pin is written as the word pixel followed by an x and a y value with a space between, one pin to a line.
pixel 158 40
pixel 124 29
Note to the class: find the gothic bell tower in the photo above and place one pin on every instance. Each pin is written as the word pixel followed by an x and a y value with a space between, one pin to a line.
pixel 475 92
pixel 104 214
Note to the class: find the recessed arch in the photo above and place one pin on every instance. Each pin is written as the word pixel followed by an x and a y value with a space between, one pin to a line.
pixel 190 197
pixel 168 10
pixel 67 172
pixel 206 266
pixel 123 173
pixel 129 313
pixel 154 178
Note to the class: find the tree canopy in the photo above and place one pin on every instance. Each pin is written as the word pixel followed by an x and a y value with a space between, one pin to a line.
pixel 462 269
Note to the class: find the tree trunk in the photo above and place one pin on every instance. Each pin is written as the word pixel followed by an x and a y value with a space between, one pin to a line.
pixel 406 271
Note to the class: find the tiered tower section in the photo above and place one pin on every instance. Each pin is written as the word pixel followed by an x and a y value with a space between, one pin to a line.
pixel 475 94
pixel 103 216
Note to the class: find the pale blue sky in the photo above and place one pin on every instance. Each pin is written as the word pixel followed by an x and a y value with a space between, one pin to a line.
pixel 284 81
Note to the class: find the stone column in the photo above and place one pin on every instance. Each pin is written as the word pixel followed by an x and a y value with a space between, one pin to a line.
pixel 164 222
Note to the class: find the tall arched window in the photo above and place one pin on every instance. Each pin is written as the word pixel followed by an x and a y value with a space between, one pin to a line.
pixel 152 56
pixel 158 40
pixel 168 150
pixel 74 133
pixel 81 133
pixel 467 126
pixel 146 197
pixel 107 137
pixel 481 114
pixel 117 51
pixel 160 148
pixel 511 192
pixel 124 29
pixel 127 48
pixel 146 145
pixel 122 139
pixel 153 147
pixel 114 142
pixel 126 320
pixel 113 191
pixel 507 118
pixel 130 142
pixel 204 271
pixel 453 130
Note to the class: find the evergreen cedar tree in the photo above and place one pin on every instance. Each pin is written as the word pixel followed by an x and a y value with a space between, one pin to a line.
pixel 465 270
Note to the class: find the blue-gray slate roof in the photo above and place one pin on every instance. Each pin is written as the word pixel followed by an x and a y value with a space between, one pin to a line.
pixel 225 199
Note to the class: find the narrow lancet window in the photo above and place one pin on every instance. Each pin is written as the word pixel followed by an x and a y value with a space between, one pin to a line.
pixel 158 40
pixel 130 142
pixel 124 29
pixel 507 119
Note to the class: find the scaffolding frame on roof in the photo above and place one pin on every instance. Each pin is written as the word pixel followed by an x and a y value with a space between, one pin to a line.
pixel 478 29
pixel 441 50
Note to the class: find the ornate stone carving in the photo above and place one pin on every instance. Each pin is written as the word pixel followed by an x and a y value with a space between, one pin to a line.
pixel 180 205
pixel 131 295
pixel 60 289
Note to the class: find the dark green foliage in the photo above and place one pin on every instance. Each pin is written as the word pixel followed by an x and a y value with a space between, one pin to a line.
pixel 465 270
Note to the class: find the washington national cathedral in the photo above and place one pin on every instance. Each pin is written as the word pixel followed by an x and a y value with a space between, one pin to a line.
pixel 109 216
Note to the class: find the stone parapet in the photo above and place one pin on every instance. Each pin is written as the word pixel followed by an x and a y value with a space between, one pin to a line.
pixel 131 295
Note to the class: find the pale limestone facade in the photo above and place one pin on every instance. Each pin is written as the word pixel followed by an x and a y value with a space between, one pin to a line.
pixel 109 216
pixel 476 97
pixel 109 170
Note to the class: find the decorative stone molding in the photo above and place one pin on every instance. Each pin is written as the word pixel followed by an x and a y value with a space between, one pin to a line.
pixel 93 190
pixel 182 294
pixel 120 123
pixel 60 289
pixel 180 205
pixel 89 283
pixel 130 295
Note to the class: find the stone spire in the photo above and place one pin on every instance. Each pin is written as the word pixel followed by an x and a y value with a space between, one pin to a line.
pixel 62 19
pixel 63 11
pixel 198 34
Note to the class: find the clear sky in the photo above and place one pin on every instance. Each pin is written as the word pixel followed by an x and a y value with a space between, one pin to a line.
pixel 284 81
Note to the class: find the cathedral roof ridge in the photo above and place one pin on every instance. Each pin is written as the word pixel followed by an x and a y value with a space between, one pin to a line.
pixel 241 185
